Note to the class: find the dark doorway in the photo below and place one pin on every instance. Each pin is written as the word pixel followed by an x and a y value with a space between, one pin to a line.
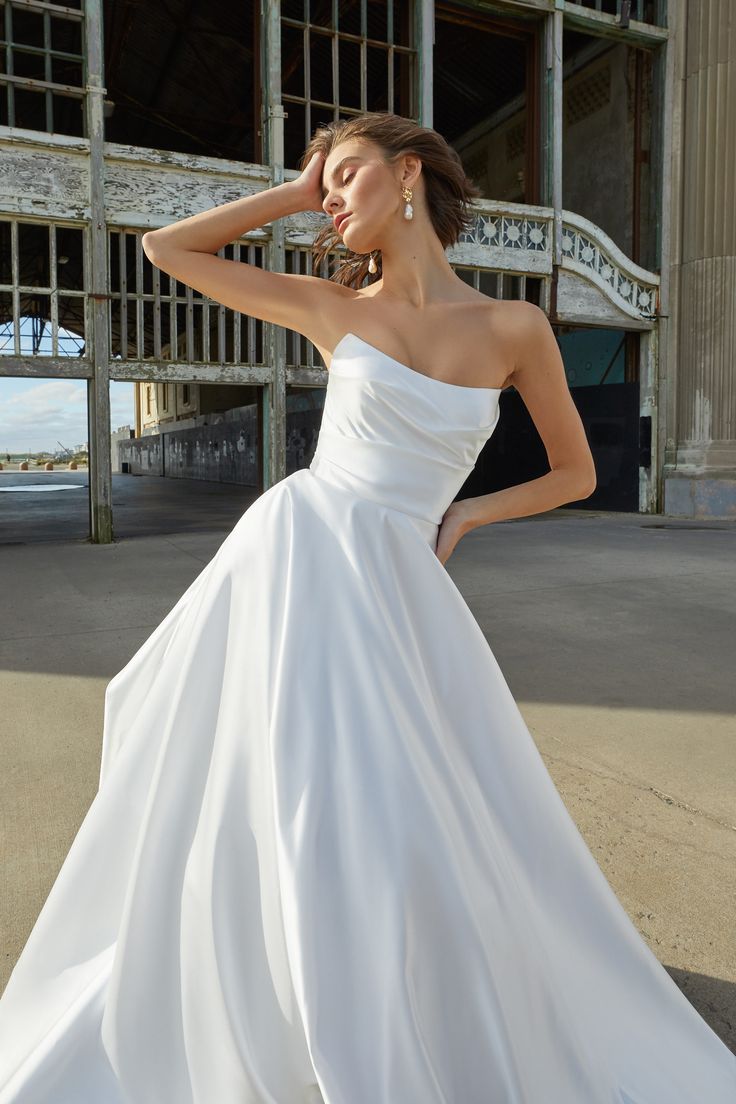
pixel 486 98
pixel 601 370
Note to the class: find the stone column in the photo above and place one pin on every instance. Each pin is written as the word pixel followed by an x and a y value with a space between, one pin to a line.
pixel 700 468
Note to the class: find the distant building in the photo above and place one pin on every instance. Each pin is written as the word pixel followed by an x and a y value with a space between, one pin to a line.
pixel 159 404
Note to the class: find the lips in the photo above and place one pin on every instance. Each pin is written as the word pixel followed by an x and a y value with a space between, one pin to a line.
pixel 341 218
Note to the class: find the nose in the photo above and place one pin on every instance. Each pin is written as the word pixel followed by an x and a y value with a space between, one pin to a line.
pixel 327 202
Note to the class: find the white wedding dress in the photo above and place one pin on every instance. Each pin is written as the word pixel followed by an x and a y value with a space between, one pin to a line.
pixel 326 861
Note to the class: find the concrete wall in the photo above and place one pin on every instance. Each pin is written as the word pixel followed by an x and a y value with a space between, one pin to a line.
pixel 225 449
pixel 700 497
pixel 121 434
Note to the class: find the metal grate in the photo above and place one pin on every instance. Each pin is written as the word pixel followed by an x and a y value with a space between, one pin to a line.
pixel 43 66
pixel 339 60
pixel 156 317
pixel 42 296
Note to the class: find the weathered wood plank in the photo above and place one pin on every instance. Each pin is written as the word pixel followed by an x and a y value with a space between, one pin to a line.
pixel 183 372
pixel 46 367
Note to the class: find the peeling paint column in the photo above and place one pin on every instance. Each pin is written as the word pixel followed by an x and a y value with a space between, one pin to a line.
pixel 649 454
pixel 700 473
pixel 554 128
pixel 273 427
pixel 657 368
pixel 424 39
pixel 98 387
pixel 550 153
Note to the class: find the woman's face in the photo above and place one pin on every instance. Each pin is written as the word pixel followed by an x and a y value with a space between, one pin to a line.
pixel 356 181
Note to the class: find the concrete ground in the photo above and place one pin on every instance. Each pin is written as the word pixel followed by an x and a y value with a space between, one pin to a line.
pixel 142 505
pixel 614 631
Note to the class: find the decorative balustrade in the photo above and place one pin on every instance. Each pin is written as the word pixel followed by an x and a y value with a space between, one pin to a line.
pixel 151 319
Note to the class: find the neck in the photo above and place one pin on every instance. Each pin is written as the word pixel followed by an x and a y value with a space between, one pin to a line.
pixel 415 268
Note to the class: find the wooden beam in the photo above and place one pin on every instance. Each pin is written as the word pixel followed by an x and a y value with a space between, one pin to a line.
pixel 45 367
pixel 182 372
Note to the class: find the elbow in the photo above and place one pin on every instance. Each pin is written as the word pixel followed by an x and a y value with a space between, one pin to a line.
pixel 148 242
pixel 153 246
pixel 589 485
pixel 579 483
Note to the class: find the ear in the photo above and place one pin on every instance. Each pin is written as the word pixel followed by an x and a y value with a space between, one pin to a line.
pixel 410 170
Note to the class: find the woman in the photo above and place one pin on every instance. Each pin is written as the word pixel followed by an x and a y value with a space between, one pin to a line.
pixel 326 861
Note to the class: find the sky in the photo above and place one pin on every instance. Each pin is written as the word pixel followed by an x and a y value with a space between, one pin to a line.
pixel 37 414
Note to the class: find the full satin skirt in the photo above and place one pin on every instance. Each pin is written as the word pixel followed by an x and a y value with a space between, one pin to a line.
pixel 327 863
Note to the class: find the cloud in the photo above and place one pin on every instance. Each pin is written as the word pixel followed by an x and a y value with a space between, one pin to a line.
pixel 39 416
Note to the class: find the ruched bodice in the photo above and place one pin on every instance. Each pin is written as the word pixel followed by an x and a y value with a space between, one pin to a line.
pixel 397 436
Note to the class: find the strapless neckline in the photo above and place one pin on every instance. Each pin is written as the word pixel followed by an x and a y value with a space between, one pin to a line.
pixel 411 371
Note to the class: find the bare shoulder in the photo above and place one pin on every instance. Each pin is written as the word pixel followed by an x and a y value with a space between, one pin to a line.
pixel 523 331
pixel 519 311
pixel 526 332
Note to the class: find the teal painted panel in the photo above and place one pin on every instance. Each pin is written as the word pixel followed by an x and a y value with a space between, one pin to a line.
pixel 593 356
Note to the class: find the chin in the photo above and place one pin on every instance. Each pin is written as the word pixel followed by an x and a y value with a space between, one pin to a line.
pixel 356 245
pixel 350 241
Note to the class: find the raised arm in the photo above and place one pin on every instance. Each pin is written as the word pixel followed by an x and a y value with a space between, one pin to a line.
pixel 186 250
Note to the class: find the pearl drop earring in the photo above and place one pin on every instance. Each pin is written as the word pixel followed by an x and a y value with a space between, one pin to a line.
pixel 408 210
pixel 372 266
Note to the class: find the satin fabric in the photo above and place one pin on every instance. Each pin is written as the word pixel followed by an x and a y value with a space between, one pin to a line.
pixel 326 862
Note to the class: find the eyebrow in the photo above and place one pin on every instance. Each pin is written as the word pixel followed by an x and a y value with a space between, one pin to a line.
pixel 339 165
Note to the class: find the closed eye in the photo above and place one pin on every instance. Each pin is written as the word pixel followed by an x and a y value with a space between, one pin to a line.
pixel 347 179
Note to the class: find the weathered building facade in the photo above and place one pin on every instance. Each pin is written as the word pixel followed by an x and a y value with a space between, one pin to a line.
pixel 601 135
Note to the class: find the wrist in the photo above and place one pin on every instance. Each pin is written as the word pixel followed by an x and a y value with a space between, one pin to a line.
pixel 296 199
pixel 465 516
pixel 282 198
pixel 475 512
